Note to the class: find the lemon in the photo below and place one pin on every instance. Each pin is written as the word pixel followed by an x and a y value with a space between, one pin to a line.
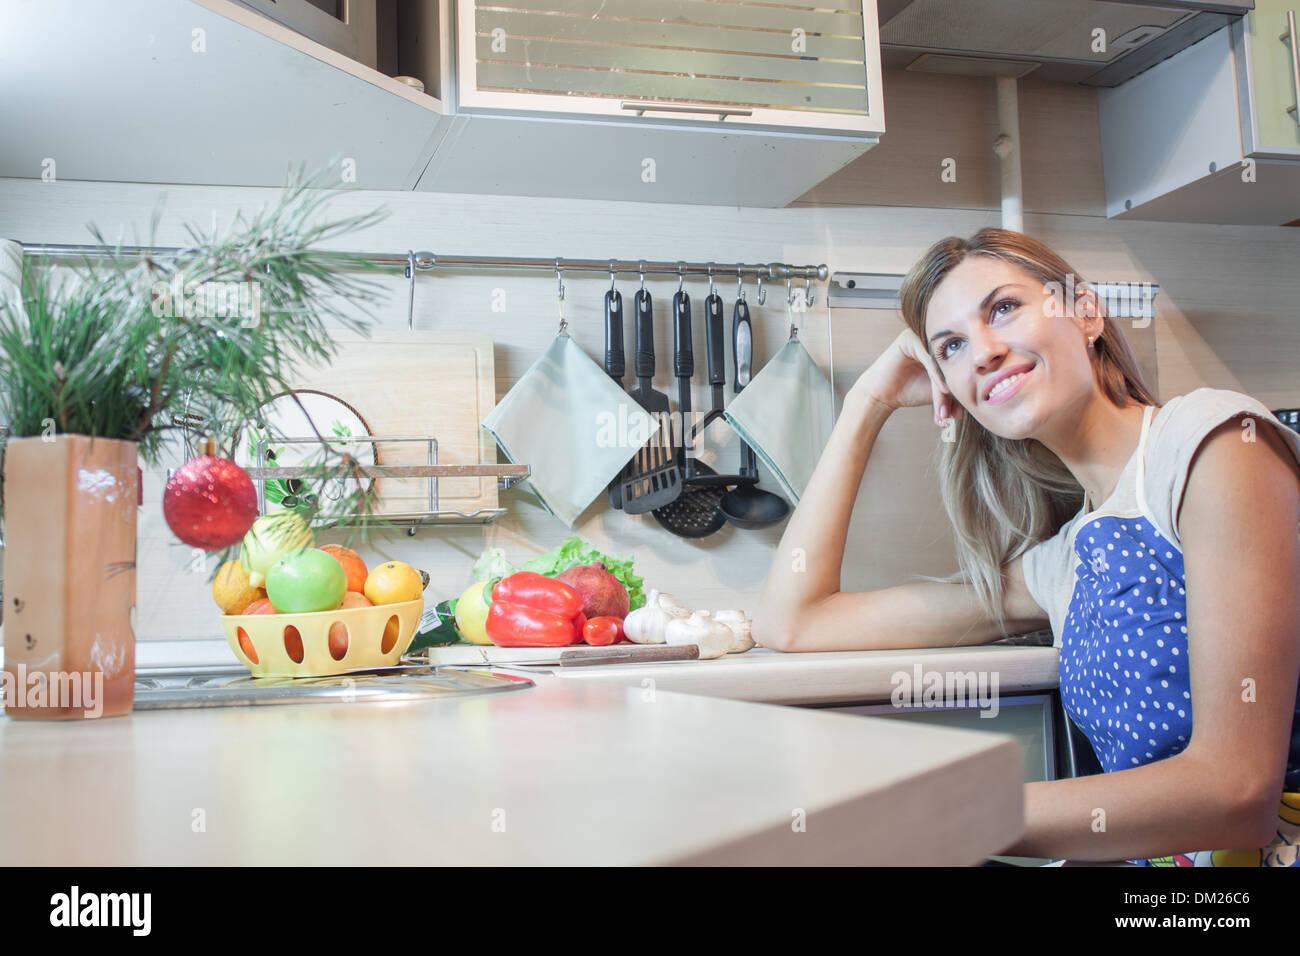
pixel 231 588
pixel 394 583
pixel 471 613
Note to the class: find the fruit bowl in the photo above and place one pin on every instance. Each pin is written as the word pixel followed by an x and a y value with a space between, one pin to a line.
pixel 269 645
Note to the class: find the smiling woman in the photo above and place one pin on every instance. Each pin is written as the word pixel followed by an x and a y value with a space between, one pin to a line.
pixel 1159 541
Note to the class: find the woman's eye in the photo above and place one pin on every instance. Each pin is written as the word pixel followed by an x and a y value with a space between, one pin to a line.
pixel 942 352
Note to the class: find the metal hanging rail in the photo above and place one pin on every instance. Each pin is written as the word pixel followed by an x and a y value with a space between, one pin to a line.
pixel 428 261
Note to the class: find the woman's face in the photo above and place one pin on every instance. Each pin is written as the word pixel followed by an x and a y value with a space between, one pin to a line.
pixel 989 320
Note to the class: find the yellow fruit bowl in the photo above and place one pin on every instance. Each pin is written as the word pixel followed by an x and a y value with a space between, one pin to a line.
pixel 298 645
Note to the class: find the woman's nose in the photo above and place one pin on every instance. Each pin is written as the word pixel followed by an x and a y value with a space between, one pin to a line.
pixel 987 350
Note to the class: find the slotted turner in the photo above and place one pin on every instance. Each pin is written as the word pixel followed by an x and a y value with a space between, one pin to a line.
pixel 652 478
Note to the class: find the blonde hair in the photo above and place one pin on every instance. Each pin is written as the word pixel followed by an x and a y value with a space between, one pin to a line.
pixel 1005 495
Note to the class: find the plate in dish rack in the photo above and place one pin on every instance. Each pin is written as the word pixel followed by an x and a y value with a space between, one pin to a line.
pixel 303 413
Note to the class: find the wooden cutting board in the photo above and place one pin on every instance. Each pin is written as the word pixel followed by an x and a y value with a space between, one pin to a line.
pixel 418 383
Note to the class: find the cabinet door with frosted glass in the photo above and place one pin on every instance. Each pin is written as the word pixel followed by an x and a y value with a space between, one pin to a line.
pixel 794 65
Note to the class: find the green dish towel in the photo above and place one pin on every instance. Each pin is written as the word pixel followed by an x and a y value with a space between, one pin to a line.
pixel 572 424
pixel 786 414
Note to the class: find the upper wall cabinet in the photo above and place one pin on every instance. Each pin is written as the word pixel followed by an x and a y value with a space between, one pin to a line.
pixel 174 91
pixel 689 101
pixel 683 101
pixel 791 66
pixel 1210 135
pixel 1266 51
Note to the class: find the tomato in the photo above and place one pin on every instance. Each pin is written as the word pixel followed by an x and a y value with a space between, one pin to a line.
pixel 601 631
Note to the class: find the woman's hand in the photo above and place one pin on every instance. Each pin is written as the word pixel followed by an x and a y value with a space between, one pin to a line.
pixel 905 375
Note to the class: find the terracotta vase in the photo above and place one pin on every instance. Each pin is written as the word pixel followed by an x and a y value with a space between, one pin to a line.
pixel 70 533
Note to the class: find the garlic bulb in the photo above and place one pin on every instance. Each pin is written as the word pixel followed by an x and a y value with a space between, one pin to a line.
pixel 646 624
pixel 713 637
pixel 739 624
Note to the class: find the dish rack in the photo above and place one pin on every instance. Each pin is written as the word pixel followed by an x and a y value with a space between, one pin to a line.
pixel 507 475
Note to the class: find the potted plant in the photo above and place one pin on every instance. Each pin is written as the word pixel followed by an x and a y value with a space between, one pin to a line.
pixel 96 366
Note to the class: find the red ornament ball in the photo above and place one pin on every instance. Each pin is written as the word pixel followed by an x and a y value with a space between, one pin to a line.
pixel 210 503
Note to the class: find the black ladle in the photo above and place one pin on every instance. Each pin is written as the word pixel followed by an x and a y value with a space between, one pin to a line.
pixel 748 506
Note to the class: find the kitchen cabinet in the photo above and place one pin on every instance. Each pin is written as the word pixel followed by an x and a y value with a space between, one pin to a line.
pixel 795 67
pixel 1209 135
pixel 702 103
pixel 1267 64
pixel 196 91
pixel 709 103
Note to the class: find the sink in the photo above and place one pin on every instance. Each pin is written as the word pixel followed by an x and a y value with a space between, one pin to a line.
pixel 165 688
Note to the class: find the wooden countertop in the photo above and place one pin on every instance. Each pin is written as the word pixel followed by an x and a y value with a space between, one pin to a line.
pixel 572 771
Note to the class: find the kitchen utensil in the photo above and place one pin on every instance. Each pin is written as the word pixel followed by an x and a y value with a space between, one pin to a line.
pixel 694 513
pixel 652 479
pixel 411 384
pixel 618 654
pixel 615 365
pixel 748 506
pixel 785 417
pixel 713 333
pixel 377 636
pixel 718 379
pixel 551 419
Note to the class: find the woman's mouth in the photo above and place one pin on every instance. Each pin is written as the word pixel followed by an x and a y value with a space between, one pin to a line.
pixel 1008 386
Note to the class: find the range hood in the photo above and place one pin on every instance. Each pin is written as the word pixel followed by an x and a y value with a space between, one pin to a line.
pixel 1053 39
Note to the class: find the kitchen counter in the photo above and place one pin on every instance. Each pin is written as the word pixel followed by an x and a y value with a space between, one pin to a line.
pixel 829 677
pixel 572 771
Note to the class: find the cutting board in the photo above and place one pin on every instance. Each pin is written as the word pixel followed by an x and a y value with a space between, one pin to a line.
pixel 468 654
pixel 418 384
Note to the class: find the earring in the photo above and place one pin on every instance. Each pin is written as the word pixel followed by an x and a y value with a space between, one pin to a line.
pixel 1090 338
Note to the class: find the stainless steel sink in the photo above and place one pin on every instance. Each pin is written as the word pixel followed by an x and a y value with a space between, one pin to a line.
pixel 164 688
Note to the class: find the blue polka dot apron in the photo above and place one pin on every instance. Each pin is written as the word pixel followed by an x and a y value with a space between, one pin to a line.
pixel 1124 678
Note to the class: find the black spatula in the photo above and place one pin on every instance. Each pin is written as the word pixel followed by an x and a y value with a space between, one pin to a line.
pixel 615 365
pixel 651 479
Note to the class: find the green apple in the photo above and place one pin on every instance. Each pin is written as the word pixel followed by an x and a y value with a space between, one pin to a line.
pixel 306 580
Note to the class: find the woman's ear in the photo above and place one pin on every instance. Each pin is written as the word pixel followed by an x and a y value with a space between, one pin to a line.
pixel 1087 310
pixel 1086 305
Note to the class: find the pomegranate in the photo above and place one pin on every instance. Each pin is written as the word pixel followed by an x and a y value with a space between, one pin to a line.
pixel 603 595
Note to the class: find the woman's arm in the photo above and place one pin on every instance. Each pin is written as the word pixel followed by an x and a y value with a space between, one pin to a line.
pixel 806 565
pixel 802 607
pixel 1242 557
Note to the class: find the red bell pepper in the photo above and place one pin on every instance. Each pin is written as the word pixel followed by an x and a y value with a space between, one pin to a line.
pixel 532 610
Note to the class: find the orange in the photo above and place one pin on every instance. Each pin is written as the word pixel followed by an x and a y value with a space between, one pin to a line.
pixel 339 631
pixel 393 583
pixel 232 590
pixel 353 566
pixel 261 606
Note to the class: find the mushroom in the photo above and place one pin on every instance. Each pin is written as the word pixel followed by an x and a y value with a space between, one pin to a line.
pixel 712 637
pixel 739 624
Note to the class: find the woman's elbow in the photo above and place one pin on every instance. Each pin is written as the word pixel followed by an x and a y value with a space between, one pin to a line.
pixel 770 633
pixel 1250 816
pixel 1257 819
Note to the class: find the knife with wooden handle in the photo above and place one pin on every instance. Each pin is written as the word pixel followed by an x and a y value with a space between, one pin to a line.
pixel 619 654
